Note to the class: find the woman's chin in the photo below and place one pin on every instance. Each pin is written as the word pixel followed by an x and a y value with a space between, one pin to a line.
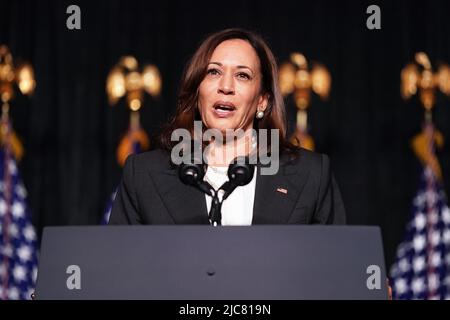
pixel 223 126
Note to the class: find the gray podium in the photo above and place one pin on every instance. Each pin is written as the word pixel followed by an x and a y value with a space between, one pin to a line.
pixel 286 262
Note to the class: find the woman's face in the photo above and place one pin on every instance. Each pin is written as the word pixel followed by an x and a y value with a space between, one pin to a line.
pixel 230 93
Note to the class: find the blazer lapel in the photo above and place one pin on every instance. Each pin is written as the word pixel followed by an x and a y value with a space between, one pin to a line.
pixel 184 203
pixel 276 195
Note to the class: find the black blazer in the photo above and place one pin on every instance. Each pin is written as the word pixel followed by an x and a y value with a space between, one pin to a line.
pixel 151 193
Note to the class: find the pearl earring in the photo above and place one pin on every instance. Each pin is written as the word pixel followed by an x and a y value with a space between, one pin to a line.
pixel 260 114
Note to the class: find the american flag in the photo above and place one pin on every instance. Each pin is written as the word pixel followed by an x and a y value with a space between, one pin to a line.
pixel 18 243
pixel 422 267
pixel 107 214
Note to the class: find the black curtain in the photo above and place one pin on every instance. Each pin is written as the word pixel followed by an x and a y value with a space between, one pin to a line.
pixel 70 134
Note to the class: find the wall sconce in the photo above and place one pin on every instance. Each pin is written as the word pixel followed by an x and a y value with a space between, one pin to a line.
pixel 298 79
pixel 418 78
pixel 125 79
pixel 10 77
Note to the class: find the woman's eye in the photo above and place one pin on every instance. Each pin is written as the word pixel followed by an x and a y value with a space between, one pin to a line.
pixel 243 75
pixel 213 72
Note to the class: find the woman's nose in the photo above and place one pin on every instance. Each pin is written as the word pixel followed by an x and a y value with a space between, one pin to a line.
pixel 226 85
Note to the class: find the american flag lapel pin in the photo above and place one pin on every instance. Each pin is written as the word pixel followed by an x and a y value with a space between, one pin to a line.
pixel 282 190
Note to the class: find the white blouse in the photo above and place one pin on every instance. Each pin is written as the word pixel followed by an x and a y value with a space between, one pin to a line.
pixel 237 209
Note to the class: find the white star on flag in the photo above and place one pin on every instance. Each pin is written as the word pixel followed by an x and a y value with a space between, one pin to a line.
pixel 422 267
pixel 18 243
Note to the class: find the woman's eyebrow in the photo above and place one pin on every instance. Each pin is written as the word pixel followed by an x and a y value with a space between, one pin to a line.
pixel 239 67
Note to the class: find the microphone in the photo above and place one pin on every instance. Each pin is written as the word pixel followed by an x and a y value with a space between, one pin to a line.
pixel 192 170
pixel 240 173
pixel 192 174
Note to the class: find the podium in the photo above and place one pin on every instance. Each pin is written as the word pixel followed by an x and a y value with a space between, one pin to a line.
pixel 193 262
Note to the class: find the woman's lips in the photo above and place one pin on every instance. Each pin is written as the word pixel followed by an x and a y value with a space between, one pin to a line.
pixel 224 109
pixel 222 113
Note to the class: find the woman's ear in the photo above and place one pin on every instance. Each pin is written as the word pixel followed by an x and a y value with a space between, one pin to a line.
pixel 263 102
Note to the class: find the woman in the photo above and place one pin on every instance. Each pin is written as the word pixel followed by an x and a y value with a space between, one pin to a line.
pixel 231 83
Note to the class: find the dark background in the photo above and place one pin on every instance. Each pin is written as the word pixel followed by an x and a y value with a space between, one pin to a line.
pixel 70 133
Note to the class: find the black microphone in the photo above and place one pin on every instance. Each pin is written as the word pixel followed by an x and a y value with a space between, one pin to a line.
pixel 192 174
pixel 192 170
pixel 240 173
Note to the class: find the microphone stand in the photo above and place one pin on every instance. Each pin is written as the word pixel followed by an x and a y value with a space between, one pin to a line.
pixel 218 196
pixel 215 212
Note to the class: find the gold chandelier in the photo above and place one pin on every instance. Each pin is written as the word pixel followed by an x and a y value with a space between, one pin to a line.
pixel 298 79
